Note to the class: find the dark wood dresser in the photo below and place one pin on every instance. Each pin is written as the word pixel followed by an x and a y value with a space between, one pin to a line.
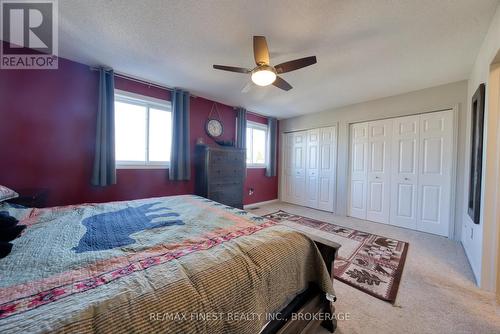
pixel 220 174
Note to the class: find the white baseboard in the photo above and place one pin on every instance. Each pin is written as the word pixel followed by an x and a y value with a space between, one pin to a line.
pixel 254 205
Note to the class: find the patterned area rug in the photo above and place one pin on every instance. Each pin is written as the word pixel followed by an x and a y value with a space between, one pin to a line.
pixel 371 263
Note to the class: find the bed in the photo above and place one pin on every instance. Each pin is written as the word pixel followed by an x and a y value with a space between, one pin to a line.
pixel 177 264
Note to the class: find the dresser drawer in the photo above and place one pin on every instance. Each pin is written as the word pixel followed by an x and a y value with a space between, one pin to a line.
pixel 226 193
pixel 221 197
pixel 226 186
pixel 226 157
pixel 228 172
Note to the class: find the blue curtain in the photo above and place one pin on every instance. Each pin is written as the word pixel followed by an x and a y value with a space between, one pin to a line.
pixel 241 128
pixel 272 132
pixel 104 172
pixel 180 167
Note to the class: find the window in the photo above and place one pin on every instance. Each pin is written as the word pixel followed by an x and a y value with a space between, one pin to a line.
pixel 143 131
pixel 256 144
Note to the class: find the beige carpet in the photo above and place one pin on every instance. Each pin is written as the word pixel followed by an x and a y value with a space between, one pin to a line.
pixel 437 293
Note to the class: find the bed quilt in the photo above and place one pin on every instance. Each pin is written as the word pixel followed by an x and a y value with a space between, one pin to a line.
pixel 178 264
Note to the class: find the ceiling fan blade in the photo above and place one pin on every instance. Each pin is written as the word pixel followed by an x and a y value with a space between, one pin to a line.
pixel 232 69
pixel 260 50
pixel 280 83
pixel 293 65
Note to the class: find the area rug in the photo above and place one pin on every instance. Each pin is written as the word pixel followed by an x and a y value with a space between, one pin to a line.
pixel 371 263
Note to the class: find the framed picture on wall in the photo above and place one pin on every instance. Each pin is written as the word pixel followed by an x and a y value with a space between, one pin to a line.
pixel 476 154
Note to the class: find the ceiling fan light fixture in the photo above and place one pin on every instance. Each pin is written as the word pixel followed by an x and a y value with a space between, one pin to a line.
pixel 263 75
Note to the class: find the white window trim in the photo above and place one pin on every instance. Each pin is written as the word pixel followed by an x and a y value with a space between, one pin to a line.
pixel 142 98
pixel 258 126
pixel 148 102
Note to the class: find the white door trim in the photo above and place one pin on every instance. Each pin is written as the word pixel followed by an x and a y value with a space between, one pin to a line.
pixel 455 227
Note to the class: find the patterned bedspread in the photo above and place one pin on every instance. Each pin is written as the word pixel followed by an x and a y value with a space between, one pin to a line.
pixel 180 264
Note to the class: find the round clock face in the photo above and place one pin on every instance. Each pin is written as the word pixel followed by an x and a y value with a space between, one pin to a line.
pixel 214 128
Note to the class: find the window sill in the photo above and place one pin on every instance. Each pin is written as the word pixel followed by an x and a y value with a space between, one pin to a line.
pixel 142 166
pixel 256 166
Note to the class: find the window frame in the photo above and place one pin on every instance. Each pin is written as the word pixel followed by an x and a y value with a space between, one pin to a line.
pixel 265 128
pixel 147 102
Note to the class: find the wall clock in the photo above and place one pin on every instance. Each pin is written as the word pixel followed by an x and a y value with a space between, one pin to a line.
pixel 214 126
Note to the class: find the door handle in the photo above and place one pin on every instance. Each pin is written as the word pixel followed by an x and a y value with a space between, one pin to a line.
pixel 407 179
pixel 377 177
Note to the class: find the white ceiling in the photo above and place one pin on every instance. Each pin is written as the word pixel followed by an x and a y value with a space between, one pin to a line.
pixel 365 49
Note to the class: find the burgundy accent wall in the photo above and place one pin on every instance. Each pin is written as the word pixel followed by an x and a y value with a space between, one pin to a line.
pixel 47 136
pixel 264 188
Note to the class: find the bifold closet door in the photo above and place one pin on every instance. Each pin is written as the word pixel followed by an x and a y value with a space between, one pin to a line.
pixel 309 167
pixel 404 170
pixel 286 180
pixel 378 171
pixel 298 178
pixel 312 159
pixel 401 171
pixel 435 171
pixel 327 168
pixel 359 166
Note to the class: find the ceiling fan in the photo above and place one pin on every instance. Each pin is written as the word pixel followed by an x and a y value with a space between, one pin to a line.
pixel 265 74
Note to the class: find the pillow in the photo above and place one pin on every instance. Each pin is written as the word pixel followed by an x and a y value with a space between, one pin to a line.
pixel 6 193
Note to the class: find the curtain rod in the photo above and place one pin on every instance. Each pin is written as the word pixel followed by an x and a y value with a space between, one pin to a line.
pixel 151 84
pixel 131 78
pixel 252 113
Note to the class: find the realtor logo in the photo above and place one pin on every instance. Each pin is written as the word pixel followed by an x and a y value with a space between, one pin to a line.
pixel 29 34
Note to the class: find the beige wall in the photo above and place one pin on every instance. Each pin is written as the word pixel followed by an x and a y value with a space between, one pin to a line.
pixel 431 99
pixel 479 240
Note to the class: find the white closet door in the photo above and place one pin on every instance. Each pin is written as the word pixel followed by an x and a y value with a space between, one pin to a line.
pixel 286 181
pixel 435 169
pixel 299 167
pixel 327 168
pixel 312 159
pixel 378 173
pixel 404 178
pixel 358 165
